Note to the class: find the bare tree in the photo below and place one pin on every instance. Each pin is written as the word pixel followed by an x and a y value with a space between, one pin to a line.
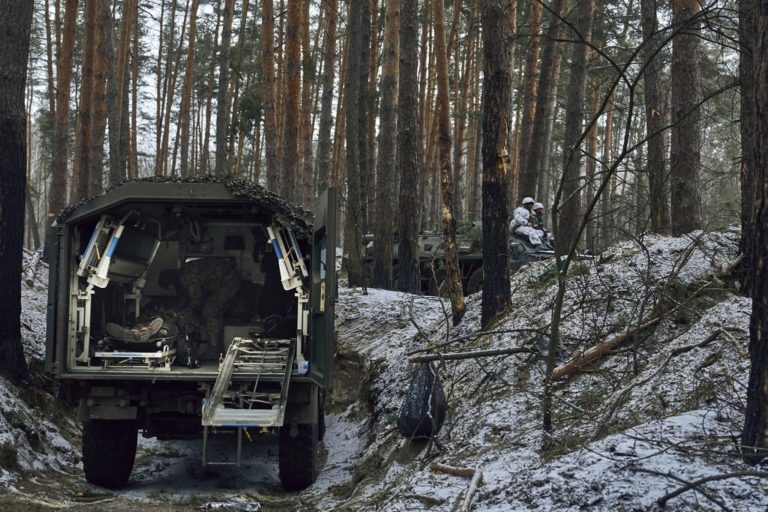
pixel 186 91
pixel 384 204
pixel 453 288
pixel 408 146
pixel 353 230
pixel 654 122
pixel 685 157
pixel 324 145
pixel 496 125
pixel 755 433
pixel 568 198
pixel 268 92
pixel 15 25
pixel 222 98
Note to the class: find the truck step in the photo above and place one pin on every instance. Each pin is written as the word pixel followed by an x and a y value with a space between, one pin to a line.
pixel 223 417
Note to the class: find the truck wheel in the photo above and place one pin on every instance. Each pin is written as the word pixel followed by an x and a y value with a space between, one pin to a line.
pixel 475 282
pixel 109 450
pixel 298 456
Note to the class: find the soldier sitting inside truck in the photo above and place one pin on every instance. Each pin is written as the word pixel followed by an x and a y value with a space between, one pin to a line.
pixel 207 286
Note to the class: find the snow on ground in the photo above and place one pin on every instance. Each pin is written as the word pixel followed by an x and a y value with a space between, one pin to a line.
pixel 664 409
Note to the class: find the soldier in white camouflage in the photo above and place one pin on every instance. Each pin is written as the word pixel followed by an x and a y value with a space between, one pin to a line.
pixel 206 285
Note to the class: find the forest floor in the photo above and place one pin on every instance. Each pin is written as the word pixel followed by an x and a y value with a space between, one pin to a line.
pixel 663 409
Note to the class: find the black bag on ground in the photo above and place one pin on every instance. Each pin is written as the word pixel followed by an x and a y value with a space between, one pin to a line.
pixel 423 411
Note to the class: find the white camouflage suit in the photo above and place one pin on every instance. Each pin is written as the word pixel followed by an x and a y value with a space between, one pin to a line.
pixel 519 225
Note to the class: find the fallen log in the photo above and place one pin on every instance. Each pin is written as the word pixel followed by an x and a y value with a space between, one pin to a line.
pixel 601 349
pixel 453 356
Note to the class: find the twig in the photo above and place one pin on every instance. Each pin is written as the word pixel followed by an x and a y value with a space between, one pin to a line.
pixel 452 356
pixel 474 335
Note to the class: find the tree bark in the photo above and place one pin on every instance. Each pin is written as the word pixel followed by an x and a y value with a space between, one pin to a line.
pixel 747 130
pixel 186 91
pixel 755 433
pixel 222 97
pixel 353 229
pixel 292 93
pixel 58 195
pixel 387 158
pixel 363 107
pixel 685 158
pixel 657 182
pixel 568 200
pixel 408 145
pixel 528 176
pixel 450 251
pixel 99 101
pixel 307 83
pixel 324 145
pixel 546 94
pixel 268 93
pixel 15 25
pixel 496 125
pixel 82 174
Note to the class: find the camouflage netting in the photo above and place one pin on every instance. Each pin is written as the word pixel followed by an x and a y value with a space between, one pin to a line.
pixel 290 214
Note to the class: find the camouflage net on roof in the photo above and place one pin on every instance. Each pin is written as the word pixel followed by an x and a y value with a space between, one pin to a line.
pixel 289 214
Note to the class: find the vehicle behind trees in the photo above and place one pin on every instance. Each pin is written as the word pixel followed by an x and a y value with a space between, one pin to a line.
pixel 469 243
pixel 107 257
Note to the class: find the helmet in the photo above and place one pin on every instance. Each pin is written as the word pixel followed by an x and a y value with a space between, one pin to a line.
pixel 527 200
pixel 537 206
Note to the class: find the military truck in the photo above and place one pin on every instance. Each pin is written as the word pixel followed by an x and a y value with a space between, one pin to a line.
pixel 278 332
pixel 470 255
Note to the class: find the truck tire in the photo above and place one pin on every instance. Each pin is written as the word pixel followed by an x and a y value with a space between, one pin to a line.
pixel 298 456
pixel 475 281
pixel 109 450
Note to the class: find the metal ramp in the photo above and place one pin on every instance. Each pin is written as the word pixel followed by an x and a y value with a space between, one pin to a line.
pixel 236 407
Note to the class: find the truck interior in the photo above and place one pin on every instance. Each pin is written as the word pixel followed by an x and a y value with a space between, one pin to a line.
pixel 115 279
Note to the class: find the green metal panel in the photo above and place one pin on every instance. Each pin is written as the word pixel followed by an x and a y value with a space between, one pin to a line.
pixel 323 295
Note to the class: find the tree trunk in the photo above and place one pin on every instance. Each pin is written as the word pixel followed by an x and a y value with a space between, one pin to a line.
pixel 186 90
pixel 324 145
pixel 686 137
pixel 159 91
pixel 268 93
pixel 747 129
pixel 387 158
pixel 450 251
pixel 528 176
pixel 568 198
pixel 222 101
pixel 657 183
pixel 58 195
pixel 307 84
pixel 82 174
pixel 755 433
pixel 364 103
pixel 546 95
pixel 353 229
pixel 132 143
pixel 99 101
pixel 15 25
pixel 292 93
pixel 496 125
pixel 408 146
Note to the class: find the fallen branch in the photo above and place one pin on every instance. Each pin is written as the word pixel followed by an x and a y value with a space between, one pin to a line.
pixel 429 500
pixel 453 356
pixel 604 348
pixel 475 474
pixel 693 485
pixel 709 339
pixel 601 349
